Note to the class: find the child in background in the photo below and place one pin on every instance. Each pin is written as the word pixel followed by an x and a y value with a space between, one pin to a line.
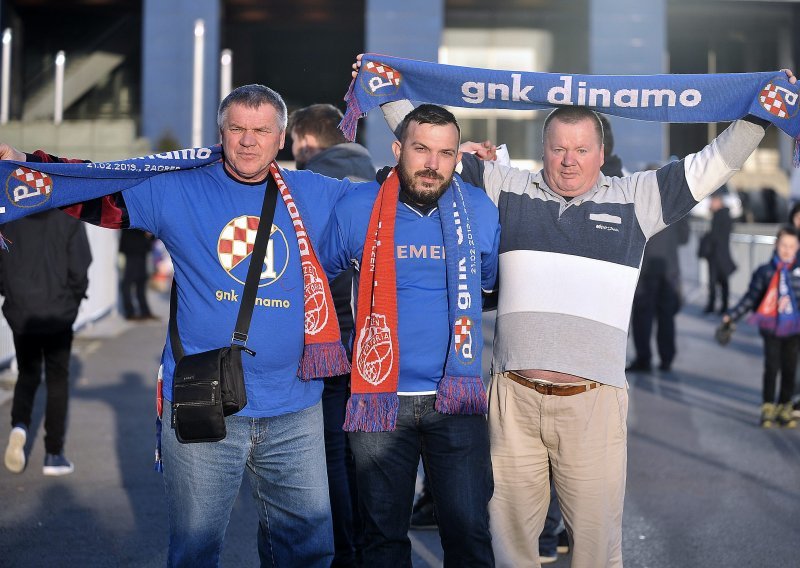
pixel 772 296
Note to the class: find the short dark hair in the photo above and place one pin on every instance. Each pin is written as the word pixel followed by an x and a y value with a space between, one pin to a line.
pixel 787 230
pixel 253 96
pixel 428 114
pixel 572 115
pixel 608 136
pixel 320 120
pixel 795 210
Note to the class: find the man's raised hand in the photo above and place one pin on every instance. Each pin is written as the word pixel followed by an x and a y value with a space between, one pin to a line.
pixel 10 153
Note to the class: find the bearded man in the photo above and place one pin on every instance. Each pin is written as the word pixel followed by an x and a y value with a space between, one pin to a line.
pixel 425 245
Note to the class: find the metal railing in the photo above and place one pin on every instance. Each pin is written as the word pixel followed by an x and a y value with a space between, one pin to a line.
pixel 751 245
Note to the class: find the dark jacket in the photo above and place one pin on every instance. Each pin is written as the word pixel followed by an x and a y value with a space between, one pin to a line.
pixel 661 252
pixel 719 250
pixel 612 166
pixel 758 287
pixel 348 160
pixel 43 275
pixel 135 242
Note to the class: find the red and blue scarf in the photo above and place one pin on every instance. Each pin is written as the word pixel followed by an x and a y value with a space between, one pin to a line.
pixel 777 313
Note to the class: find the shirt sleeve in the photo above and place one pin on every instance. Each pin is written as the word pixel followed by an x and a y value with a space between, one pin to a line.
pixel 394 113
pixel 334 253
pixel 145 205
pixel 665 195
pixel 489 257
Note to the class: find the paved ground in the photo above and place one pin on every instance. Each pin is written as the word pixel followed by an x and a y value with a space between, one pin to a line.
pixel 706 486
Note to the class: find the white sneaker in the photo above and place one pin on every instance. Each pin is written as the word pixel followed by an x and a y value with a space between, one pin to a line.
pixel 15 452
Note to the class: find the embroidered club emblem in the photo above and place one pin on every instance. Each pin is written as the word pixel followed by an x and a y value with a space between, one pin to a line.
pixel 462 335
pixel 380 77
pixel 235 245
pixel 316 308
pixel 778 101
pixel 375 350
pixel 28 188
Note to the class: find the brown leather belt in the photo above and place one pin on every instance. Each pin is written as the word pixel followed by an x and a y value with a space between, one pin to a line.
pixel 555 389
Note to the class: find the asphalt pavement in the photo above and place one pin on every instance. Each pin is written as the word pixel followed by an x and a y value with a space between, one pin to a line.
pixel 706 486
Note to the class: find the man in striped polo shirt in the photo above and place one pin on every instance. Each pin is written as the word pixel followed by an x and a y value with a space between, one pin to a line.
pixel 571 247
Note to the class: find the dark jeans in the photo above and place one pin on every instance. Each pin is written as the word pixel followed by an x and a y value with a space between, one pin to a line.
pixel 53 350
pixel 455 453
pixel 347 530
pixel 717 278
pixel 135 277
pixel 780 354
pixel 656 298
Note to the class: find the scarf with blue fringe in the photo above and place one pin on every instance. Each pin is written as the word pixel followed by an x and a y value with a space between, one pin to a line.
pixel 660 98
pixel 374 402
pixel 777 312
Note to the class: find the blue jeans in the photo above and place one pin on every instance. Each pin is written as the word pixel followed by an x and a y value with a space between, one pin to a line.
pixel 284 457
pixel 455 452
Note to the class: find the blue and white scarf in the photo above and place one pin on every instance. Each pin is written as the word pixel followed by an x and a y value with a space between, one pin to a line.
pixel 31 187
pixel 659 98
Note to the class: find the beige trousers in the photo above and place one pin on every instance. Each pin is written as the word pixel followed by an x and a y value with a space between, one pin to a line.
pixel 584 437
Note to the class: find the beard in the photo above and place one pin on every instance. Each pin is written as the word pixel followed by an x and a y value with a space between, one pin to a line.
pixel 423 192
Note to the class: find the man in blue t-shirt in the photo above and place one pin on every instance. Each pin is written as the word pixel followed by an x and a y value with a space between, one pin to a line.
pixel 206 218
pixel 454 447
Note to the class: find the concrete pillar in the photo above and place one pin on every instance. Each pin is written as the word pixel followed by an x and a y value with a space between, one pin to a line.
pixel 411 29
pixel 167 56
pixel 628 37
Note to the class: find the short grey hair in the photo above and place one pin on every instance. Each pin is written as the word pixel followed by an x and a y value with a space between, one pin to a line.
pixel 253 96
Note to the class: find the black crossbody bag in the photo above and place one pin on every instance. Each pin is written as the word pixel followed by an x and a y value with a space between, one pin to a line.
pixel 209 386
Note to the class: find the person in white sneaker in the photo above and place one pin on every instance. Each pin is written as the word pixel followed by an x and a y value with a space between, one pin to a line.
pixel 43 278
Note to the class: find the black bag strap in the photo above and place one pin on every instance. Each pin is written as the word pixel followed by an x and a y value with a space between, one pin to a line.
pixel 250 285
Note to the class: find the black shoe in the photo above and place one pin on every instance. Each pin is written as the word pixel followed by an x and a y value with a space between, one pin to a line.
pixel 709 310
pixel 547 557
pixel 666 367
pixel 563 542
pixel 423 517
pixel 638 367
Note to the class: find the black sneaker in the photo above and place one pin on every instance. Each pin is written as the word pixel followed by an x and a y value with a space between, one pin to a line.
pixel 563 543
pixel 548 557
pixel 57 464
pixel 423 518
pixel 638 367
